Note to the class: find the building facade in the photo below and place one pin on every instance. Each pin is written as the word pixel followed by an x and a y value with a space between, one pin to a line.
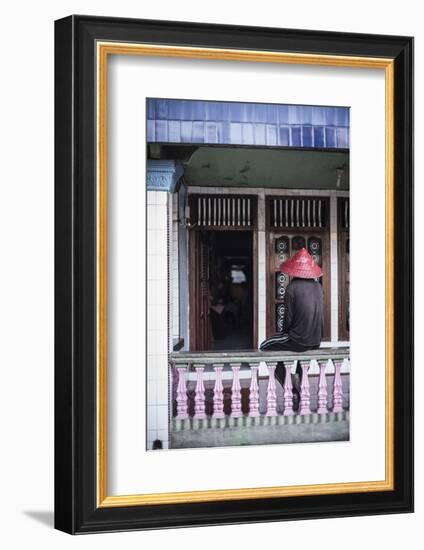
pixel 233 190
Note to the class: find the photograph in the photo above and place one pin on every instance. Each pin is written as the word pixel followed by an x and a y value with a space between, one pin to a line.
pixel 248 227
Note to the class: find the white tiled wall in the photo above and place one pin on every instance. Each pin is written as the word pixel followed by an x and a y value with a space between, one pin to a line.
pixel 157 317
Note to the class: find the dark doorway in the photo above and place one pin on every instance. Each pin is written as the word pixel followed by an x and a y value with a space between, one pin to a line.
pixel 231 290
pixel 228 282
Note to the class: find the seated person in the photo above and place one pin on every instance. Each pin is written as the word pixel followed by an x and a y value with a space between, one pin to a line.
pixel 303 314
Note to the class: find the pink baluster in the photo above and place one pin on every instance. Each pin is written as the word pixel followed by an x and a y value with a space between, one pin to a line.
pixel 254 391
pixel 236 391
pixel 305 397
pixel 218 393
pixel 288 390
pixel 322 388
pixel 271 394
pixel 182 400
pixel 199 398
pixel 337 387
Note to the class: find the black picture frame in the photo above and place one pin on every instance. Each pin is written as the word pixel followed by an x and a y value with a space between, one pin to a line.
pixel 76 509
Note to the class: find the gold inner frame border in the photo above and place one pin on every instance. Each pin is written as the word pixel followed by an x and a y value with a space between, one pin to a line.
pixel 103 50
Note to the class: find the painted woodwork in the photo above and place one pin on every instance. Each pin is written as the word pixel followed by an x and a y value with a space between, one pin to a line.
pixel 236 392
pixel 322 388
pixel 344 267
pixel 199 398
pixel 292 224
pixel 228 212
pixel 305 398
pixel 182 400
pixel 271 395
pixel 254 391
pixel 337 388
pixel 288 390
pixel 218 393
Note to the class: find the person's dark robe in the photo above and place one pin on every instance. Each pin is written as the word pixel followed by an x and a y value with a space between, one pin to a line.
pixel 303 316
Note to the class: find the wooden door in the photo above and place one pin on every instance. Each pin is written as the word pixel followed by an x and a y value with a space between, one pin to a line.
pixel 295 223
pixel 199 274
pixel 210 213
pixel 344 269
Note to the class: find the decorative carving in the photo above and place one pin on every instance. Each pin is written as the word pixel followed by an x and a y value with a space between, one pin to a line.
pixel 337 388
pixel 322 388
pixel 236 391
pixel 199 399
pixel 279 314
pixel 218 393
pixel 282 245
pixel 305 400
pixel 182 394
pixel 298 242
pixel 290 212
pixel 288 390
pixel 163 175
pixel 254 391
pixel 271 395
pixel 314 246
pixel 280 285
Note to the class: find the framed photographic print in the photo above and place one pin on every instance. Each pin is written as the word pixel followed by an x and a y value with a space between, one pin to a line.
pixel 234 288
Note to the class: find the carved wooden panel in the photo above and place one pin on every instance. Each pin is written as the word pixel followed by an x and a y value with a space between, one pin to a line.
pixel 284 242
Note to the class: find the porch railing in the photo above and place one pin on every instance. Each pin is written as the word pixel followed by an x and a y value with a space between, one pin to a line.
pixel 224 389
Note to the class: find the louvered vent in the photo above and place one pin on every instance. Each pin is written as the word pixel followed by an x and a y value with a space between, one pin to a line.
pixel 218 211
pixel 298 213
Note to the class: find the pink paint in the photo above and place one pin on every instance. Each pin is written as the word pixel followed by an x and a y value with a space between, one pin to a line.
pixel 199 397
pixel 337 388
pixel 182 401
pixel 288 390
pixel 305 397
pixel 254 392
pixel 322 388
pixel 271 394
pixel 218 394
pixel 236 392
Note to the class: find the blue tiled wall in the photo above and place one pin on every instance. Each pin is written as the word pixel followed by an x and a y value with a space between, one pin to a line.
pixel 191 121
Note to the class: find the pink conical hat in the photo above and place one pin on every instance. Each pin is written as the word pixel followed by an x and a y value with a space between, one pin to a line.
pixel 301 265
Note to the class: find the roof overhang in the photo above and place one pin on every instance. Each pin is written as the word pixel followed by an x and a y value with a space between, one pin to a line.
pixel 264 167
